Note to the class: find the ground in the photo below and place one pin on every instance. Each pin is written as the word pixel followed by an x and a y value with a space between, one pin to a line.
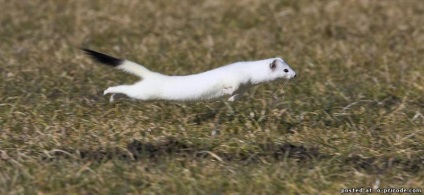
pixel 353 117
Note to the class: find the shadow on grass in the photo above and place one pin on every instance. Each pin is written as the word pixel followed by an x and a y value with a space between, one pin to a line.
pixel 172 148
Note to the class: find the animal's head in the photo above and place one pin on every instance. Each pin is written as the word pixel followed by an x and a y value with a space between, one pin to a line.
pixel 278 69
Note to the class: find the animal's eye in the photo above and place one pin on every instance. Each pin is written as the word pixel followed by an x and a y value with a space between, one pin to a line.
pixel 285 70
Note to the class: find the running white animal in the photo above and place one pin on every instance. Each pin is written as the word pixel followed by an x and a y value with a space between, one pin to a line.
pixel 227 81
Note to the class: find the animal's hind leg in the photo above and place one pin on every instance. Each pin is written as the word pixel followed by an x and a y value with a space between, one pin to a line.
pixel 120 91
pixel 116 96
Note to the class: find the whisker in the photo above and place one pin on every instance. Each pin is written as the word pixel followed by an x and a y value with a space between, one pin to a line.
pixel 279 89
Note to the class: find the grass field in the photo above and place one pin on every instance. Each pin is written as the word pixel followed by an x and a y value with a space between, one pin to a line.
pixel 354 116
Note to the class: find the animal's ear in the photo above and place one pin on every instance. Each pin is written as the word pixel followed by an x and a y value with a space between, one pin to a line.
pixel 273 65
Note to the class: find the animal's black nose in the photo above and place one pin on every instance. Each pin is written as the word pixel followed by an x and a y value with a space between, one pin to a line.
pixel 295 75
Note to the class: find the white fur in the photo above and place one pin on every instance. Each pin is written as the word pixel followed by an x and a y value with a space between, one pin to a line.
pixel 231 80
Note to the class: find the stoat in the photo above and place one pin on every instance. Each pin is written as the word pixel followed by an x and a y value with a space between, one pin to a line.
pixel 227 81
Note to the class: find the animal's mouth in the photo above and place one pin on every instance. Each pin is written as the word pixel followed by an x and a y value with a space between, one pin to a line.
pixel 280 88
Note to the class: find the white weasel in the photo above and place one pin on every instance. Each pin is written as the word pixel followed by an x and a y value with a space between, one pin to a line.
pixel 231 80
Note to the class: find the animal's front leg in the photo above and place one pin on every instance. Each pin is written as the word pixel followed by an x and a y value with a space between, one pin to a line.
pixel 117 90
pixel 236 95
pixel 229 90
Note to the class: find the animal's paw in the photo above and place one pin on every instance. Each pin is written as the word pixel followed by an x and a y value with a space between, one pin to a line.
pixel 234 97
pixel 106 91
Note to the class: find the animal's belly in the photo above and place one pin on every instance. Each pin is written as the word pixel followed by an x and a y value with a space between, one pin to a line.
pixel 193 91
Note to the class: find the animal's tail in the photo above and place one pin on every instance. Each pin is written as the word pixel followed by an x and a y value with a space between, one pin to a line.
pixel 125 65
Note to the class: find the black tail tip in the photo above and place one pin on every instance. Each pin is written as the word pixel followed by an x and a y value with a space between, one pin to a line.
pixel 103 58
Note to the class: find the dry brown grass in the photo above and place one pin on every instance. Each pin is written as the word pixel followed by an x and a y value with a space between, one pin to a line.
pixel 354 116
